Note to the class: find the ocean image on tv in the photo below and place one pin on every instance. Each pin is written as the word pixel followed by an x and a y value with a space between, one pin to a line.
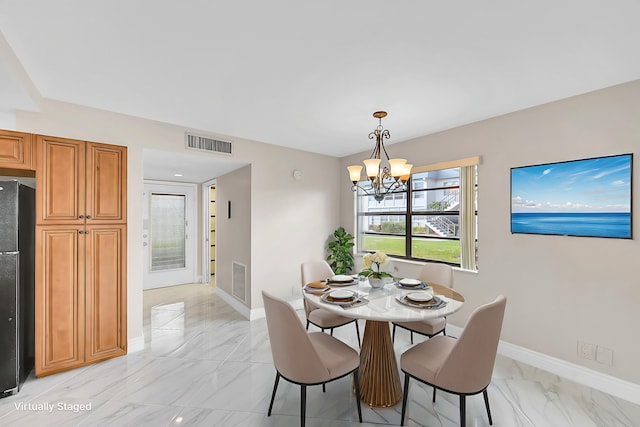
pixel 589 197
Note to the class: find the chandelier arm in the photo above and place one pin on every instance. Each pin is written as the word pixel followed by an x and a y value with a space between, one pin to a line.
pixel 385 134
pixel 354 187
pixel 387 174
pixel 373 155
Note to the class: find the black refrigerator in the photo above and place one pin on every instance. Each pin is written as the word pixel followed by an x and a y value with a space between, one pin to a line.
pixel 17 285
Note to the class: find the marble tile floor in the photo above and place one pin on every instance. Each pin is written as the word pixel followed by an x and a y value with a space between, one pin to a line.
pixel 205 365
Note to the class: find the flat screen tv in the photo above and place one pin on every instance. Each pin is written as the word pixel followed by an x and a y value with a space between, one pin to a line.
pixel 588 197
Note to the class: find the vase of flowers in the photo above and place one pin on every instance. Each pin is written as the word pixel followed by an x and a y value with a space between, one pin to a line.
pixel 371 263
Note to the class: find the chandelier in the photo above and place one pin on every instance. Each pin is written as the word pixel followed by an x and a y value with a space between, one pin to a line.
pixel 384 179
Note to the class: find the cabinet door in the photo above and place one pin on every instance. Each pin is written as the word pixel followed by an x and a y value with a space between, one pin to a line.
pixel 15 150
pixel 60 192
pixel 59 299
pixel 106 292
pixel 106 180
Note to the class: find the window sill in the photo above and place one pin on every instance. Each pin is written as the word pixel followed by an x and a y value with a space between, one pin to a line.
pixel 464 270
pixel 415 262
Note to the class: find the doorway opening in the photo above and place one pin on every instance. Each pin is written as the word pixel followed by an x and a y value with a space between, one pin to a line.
pixel 169 234
pixel 209 247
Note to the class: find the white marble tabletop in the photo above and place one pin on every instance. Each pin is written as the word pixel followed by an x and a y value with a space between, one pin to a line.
pixel 383 305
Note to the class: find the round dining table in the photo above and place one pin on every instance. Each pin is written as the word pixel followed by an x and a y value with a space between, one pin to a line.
pixel 379 377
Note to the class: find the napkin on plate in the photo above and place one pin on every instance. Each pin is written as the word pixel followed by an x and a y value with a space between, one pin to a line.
pixel 356 303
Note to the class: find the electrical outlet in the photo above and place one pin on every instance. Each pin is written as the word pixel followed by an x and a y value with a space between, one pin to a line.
pixel 586 350
pixel 604 355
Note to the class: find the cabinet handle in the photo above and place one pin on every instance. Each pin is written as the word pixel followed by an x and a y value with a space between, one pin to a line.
pixel 81 216
pixel 88 216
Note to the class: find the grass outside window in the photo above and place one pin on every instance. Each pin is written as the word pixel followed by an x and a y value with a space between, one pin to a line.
pixel 434 249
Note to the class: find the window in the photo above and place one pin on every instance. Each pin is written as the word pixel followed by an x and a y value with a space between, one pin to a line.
pixel 435 219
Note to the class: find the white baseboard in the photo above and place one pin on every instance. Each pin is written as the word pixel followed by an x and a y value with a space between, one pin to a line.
pixel 258 313
pixel 135 344
pixel 236 304
pixel 606 383
pixel 255 313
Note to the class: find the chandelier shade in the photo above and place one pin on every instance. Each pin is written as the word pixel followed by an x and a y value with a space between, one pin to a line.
pixel 391 177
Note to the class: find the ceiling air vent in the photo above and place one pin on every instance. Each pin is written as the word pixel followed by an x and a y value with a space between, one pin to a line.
pixel 203 143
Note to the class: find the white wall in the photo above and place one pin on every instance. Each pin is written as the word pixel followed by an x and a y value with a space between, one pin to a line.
pixel 559 289
pixel 7 120
pixel 290 220
pixel 233 234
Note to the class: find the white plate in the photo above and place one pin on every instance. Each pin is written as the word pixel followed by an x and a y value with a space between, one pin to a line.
pixel 410 282
pixel 341 278
pixel 420 296
pixel 341 294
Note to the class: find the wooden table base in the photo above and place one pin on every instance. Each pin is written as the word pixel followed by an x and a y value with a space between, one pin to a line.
pixel 379 376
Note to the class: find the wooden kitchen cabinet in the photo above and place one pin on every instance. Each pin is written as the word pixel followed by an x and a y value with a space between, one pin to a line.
pixel 106 177
pixel 81 305
pixel 81 291
pixel 59 299
pixel 16 150
pixel 60 170
pixel 105 292
pixel 83 182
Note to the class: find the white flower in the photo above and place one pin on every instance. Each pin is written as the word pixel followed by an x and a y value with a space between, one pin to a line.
pixel 379 258
pixel 366 260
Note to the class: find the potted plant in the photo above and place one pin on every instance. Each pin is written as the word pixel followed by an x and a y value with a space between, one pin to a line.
pixel 340 256
pixel 372 263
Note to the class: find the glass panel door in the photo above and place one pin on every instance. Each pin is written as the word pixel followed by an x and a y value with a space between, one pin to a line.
pixel 167 232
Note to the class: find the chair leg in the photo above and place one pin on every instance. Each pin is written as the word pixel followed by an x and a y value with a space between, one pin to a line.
pixel 393 334
pixel 411 337
pixel 358 334
pixel 331 331
pixel 463 410
pixel 307 325
pixel 434 395
pixel 324 389
pixel 404 398
pixel 273 395
pixel 356 381
pixel 303 404
pixel 486 403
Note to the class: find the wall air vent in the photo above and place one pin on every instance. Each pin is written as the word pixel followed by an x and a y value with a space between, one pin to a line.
pixel 204 143
pixel 239 281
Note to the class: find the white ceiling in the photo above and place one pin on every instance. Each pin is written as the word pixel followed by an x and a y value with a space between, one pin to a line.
pixel 309 74
pixel 179 167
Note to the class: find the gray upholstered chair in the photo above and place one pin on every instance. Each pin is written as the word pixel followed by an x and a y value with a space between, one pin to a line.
pixel 433 272
pixel 313 271
pixel 306 358
pixel 461 366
